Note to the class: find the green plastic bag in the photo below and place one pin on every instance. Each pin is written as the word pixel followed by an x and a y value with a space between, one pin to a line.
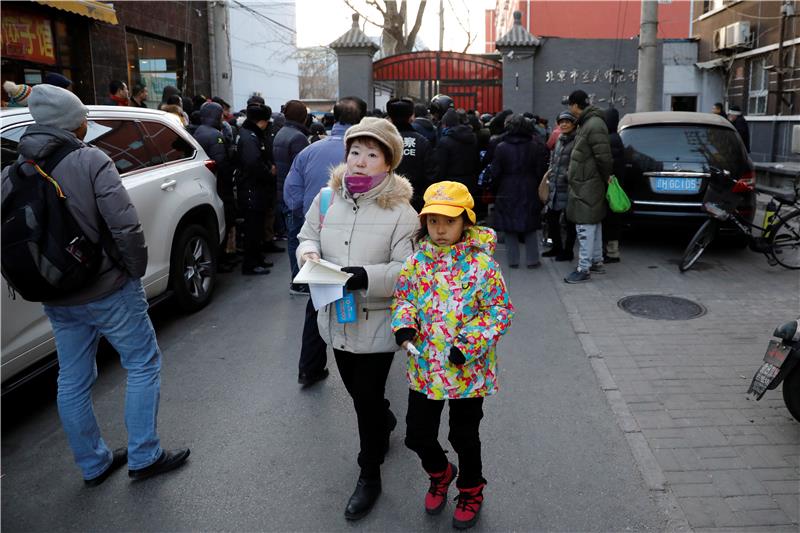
pixel 618 201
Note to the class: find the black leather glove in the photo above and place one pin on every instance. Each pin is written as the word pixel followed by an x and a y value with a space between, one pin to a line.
pixel 359 279
pixel 403 335
pixel 456 357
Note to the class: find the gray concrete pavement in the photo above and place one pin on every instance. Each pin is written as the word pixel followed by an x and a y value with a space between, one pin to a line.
pixel 268 456
pixel 678 388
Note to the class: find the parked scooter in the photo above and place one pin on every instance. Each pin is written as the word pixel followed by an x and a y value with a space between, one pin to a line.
pixel 781 365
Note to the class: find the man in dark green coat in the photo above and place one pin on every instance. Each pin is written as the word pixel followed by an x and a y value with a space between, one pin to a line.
pixel 590 167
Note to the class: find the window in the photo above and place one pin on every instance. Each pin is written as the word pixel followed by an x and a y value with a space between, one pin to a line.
pixel 757 96
pixel 10 140
pixel 156 63
pixel 684 103
pixel 171 146
pixel 122 140
pixel 651 147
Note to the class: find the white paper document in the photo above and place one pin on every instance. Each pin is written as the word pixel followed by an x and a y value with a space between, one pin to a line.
pixel 321 273
pixel 322 295
pixel 325 281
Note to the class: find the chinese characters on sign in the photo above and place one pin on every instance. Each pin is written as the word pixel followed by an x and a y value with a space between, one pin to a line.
pixel 28 37
pixel 576 76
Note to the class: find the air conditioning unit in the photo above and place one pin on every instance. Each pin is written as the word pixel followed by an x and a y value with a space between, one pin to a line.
pixel 718 42
pixel 737 35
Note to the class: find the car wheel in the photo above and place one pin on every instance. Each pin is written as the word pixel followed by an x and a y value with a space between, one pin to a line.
pixel 193 268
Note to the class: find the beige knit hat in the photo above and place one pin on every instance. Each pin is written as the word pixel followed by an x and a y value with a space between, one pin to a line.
pixel 382 131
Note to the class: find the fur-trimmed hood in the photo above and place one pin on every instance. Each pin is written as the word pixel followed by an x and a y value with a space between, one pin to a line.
pixel 393 191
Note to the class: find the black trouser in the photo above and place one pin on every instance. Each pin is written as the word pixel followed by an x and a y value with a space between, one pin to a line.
pixel 612 226
pixel 554 232
pixel 364 376
pixel 253 235
pixel 422 431
pixel 313 352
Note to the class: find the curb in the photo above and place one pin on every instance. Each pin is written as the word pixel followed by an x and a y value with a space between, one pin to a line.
pixel 645 459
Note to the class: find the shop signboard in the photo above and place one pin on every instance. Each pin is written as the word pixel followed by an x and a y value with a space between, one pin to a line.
pixel 27 37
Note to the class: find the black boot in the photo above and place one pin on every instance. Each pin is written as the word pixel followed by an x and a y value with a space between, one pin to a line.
pixel 363 498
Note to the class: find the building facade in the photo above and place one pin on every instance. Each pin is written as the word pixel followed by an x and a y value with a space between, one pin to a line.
pixel 263 52
pixel 93 43
pixel 585 19
pixel 752 48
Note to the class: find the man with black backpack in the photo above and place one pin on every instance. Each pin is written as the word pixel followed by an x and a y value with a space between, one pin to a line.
pixel 59 178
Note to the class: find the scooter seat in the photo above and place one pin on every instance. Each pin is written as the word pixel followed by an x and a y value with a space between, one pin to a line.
pixel 789 332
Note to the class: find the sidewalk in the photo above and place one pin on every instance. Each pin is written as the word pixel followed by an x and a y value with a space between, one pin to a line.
pixel 715 459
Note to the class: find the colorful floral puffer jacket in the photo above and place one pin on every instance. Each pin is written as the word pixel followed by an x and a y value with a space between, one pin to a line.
pixel 453 296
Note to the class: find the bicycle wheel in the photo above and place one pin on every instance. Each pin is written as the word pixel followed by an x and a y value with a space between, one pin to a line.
pixel 785 241
pixel 698 244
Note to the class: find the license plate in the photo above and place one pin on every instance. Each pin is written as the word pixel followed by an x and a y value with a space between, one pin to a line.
pixel 762 380
pixel 665 184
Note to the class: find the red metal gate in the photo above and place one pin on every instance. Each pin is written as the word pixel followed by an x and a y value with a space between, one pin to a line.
pixel 472 81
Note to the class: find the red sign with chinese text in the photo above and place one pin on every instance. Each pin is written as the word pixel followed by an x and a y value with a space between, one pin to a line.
pixel 28 37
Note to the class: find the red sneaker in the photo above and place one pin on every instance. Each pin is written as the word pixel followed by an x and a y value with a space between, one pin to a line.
pixel 468 507
pixel 436 497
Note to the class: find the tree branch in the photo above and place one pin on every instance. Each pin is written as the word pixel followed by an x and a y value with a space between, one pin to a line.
pixel 362 15
pixel 470 39
pixel 377 6
pixel 412 35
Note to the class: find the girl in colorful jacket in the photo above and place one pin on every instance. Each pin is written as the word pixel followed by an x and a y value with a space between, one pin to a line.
pixel 450 308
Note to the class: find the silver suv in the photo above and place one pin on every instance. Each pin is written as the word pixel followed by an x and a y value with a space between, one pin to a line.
pixel 172 184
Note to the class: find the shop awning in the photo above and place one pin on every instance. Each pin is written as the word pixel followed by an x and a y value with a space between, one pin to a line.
pixel 103 11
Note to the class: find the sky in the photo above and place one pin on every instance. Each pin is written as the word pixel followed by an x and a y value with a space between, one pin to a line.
pixel 320 22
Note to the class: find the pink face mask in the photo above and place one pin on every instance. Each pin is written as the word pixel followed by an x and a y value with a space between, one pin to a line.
pixel 362 184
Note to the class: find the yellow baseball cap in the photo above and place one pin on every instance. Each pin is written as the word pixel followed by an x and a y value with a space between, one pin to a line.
pixel 448 198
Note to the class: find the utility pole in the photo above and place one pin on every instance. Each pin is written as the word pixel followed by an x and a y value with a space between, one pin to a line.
pixel 787 10
pixel 441 25
pixel 219 50
pixel 646 97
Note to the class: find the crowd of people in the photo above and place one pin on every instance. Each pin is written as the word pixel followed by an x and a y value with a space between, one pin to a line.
pixel 411 203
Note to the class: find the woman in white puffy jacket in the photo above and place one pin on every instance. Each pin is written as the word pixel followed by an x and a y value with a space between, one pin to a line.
pixel 368 228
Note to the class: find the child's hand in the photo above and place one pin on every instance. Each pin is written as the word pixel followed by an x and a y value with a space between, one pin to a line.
pixel 456 357
pixel 404 336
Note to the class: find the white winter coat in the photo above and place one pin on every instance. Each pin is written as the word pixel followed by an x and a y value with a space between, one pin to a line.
pixel 375 232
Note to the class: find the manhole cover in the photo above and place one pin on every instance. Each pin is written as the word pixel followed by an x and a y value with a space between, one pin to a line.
pixel 657 307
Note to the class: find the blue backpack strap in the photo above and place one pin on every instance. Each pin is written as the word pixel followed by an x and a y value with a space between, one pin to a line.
pixel 325 201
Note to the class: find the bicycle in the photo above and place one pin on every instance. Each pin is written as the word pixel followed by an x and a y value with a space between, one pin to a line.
pixel 778 237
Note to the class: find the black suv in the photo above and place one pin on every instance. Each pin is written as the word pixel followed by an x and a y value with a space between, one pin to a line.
pixel 668 155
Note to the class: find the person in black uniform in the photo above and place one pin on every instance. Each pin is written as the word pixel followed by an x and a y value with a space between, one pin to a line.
pixel 418 163
pixel 256 186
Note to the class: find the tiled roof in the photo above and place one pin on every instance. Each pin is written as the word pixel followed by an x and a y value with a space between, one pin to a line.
pixel 518 35
pixel 354 38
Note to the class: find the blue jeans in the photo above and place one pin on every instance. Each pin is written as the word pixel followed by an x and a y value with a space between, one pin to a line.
pixel 590 245
pixel 122 319
pixel 294 223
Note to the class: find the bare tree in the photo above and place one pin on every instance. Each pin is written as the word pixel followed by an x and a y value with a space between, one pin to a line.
pixel 317 72
pixel 397 38
pixel 464 9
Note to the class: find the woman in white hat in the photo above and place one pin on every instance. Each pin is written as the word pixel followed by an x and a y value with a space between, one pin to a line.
pixel 368 228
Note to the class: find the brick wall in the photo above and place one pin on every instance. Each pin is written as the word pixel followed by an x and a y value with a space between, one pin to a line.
pixel 173 21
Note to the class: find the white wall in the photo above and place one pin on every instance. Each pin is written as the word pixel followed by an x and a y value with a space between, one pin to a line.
pixel 681 77
pixel 263 51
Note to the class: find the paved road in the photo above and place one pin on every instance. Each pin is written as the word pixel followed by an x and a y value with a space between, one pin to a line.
pixel 267 456
pixel 724 461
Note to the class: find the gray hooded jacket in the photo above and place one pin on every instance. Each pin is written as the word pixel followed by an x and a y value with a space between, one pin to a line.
pixel 94 194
